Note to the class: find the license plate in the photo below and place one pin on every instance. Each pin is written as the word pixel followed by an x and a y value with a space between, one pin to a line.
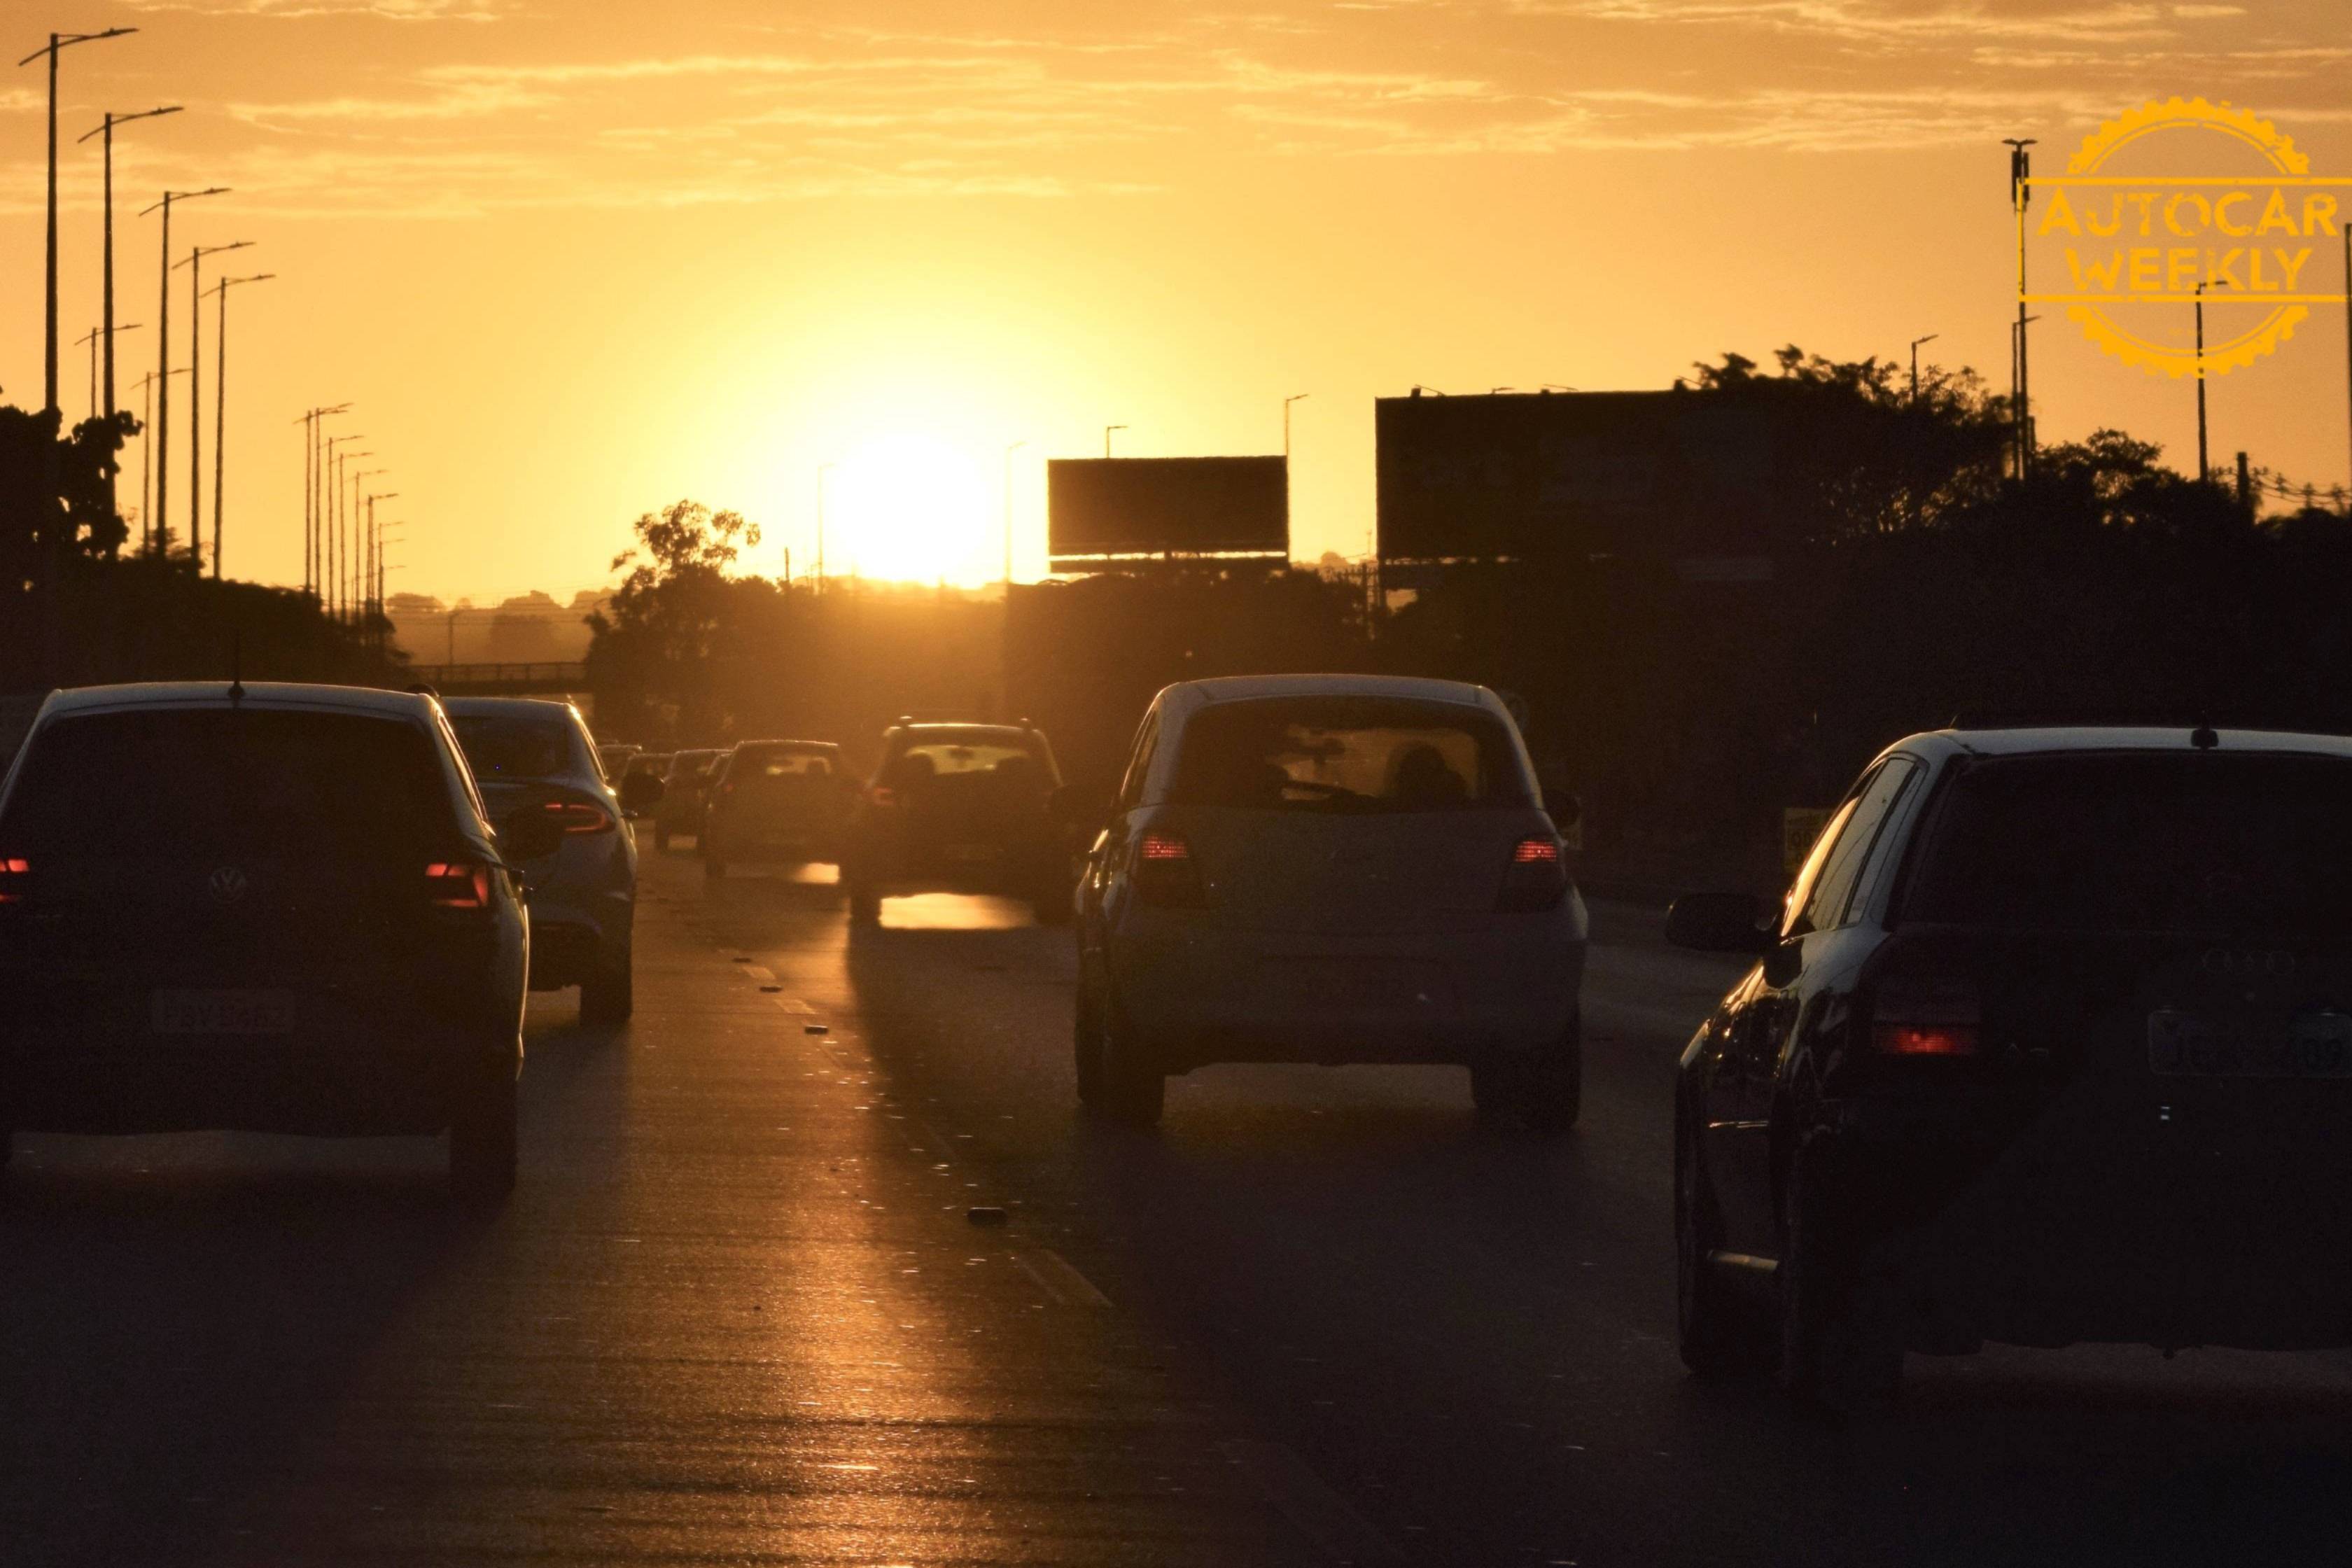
pixel 966 853
pixel 222 1012
pixel 2315 1045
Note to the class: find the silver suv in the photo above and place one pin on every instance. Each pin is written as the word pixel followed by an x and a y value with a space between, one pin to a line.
pixel 537 757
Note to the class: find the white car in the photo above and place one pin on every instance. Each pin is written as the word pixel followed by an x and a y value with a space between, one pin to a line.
pixel 1332 868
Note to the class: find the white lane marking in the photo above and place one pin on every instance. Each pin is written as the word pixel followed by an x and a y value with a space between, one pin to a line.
pixel 1058 1278
pixel 1314 1510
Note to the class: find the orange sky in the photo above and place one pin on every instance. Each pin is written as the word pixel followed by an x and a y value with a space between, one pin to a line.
pixel 574 258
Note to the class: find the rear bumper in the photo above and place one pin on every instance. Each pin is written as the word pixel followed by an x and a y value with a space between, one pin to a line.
pixel 351 1086
pixel 1194 994
pixel 571 939
pixel 1021 871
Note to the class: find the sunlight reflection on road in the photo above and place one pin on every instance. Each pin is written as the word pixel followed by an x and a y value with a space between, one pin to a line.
pixel 954 911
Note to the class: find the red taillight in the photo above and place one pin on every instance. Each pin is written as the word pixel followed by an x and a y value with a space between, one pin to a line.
pixel 1165 873
pixel 460 884
pixel 1920 1015
pixel 1535 879
pixel 580 816
pixel 882 796
pixel 16 874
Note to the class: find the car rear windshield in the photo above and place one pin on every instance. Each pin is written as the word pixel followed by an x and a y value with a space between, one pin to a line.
pixel 514 746
pixel 166 783
pixel 1348 754
pixel 2174 842
pixel 1007 757
pixel 780 761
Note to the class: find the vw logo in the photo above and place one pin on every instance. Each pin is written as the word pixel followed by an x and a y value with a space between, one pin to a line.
pixel 228 884
pixel 2224 960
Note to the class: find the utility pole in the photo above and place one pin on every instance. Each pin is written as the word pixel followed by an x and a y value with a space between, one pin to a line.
pixel 2021 196
pixel 163 359
pixel 220 404
pixel 196 266
pixel 1008 517
pixel 106 128
pixel 1930 338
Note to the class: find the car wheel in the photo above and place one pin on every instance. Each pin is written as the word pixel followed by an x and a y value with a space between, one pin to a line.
pixel 1086 1042
pixel 609 995
pixel 1719 1336
pixel 482 1141
pixel 864 905
pixel 1130 1090
pixel 1834 1355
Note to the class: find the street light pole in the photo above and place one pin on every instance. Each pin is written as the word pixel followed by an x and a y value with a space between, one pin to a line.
pixel 1294 397
pixel 2021 197
pixel 220 404
pixel 196 266
pixel 330 527
pixel 311 491
pixel 1930 338
pixel 355 547
pixel 372 597
pixel 1107 430
pixel 148 541
pixel 58 42
pixel 2204 465
pixel 106 128
pixel 1008 517
pixel 91 337
pixel 163 359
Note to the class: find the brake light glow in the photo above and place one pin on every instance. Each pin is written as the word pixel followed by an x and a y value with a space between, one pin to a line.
pixel 1162 847
pixel 1165 873
pixel 14 872
pixel 1925 1016
pixel 580 816
pixel 1536 852
pixel 460 884
pixel 883 795
pixel 1535 880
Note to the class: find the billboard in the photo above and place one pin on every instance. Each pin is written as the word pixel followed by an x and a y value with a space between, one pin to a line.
pixel 1550 476
pixel 1107 508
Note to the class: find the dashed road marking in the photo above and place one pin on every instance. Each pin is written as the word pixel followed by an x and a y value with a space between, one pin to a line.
pixel 1060 1279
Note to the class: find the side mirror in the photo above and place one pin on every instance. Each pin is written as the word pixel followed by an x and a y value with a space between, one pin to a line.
pixel 1720 922
pixel 639 791
pixel 529 833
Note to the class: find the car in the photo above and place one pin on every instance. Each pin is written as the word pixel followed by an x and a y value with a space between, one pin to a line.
pixel 774 803
pixel 683 786
pixel 260 906
pixel 960 808
pixel 612 760
pixel 2050 1041
pixel 1332 868
pixel 532 755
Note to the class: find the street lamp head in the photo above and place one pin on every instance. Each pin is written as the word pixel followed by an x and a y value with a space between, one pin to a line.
pixel 111 121
pixel 171 196
pixel 64 40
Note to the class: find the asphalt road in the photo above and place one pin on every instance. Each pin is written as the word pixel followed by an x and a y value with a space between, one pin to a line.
pixel 738 1312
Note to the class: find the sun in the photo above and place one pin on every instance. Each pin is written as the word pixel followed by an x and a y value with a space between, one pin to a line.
pixel 913 508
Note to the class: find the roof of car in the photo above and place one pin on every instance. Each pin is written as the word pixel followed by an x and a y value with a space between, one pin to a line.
pixel 1245 687
pixel 250 694
pixel 518 707
pixel 944 727
pixel 2047 739
pixel 797 745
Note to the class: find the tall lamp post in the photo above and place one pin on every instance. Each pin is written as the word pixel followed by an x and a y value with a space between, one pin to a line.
pixel 1008 517
pixel 91 338
pixel 330 527
pixel 220 404
pixel 1107 430
pixel 149 542
pixel 311 491
pixel 372 591
pixel 57 43
pixel 2204 466
pixel 163 357
pixel 1930 338
pixel 2021 196
pixel 355 543
pixel 1294 397
pixel 196 266
pixel 106 128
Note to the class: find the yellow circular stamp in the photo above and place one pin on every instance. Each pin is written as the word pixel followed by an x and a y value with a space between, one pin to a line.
pixel 2137 247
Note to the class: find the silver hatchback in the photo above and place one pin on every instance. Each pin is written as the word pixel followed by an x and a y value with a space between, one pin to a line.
pixel 538 757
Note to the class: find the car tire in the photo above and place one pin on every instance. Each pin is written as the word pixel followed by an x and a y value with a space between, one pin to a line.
pixel 1719 1335
pixel 482 1140
pixel 1834 1355
pixel 609 995
pixel 864 905
pixel 1131 1091
pixel 1086 1042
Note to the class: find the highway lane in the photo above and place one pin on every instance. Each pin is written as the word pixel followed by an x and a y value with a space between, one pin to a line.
pixel 737 1313
pixel 1467 1336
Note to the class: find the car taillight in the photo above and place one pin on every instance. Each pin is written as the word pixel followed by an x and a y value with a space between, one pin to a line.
pixel 580 816
pixel 460 884
pixel 1165 873
pixel 15 877
pixel 1535 879
pixel 883 795
pixel 1922 1016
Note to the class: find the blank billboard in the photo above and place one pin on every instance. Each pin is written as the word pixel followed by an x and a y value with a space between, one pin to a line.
pixel 1571 476
pixel 1099 506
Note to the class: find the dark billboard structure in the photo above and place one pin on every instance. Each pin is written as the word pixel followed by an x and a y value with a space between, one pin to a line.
pixel 1682 475
pixel 1104 511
